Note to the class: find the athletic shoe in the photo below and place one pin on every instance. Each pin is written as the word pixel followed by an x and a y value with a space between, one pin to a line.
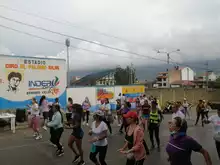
pixel 35 135
pixel 60 153
pixel 81 163
pixel 45 128
pixel 87 124
pixel 76 159
pixel 38 137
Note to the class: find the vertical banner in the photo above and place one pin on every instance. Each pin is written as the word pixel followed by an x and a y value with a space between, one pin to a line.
pixel 22 78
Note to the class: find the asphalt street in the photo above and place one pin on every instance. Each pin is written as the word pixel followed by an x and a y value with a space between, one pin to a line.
pixel 21 149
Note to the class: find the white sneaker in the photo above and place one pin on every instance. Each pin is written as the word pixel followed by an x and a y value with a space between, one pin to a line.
pixel 35 135
pixel 119 125
pixel 87 124
pixel 45 128
pixel 38 137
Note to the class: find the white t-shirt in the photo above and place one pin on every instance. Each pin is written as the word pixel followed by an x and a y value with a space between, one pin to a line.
pixel 98 131
pixel 178 114
pixel 108 107
pixel 185 104
pixel 35 109
pixel 123 99
pixel 215 120
pixel 142 101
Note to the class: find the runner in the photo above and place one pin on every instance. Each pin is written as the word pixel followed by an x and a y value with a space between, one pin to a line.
pixel 200 112
pixel 177 111
pixel 125 110
pixel 180 146
pixel 56 126
pixel 118 111
pixel 44 108
pixel 35 119
pixel 207 109
pixel 99 139
pixel 134 138
pixel 215 120
pixel 156 118
pixel 145 114
pixel 186 107
pixel 77 134
pixel 138 107
pixel 86 106
pixel 108 115
pixel 69 111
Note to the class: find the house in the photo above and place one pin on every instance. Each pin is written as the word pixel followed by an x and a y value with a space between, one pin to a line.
pixel 106 77
pixel 175 77
pixel 211 76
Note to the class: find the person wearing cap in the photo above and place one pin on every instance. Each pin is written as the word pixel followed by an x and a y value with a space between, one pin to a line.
pixel 200 112
pixel 134 147
pixel 177 111
pixel 99 143
pixel 215 120
pixel 155 119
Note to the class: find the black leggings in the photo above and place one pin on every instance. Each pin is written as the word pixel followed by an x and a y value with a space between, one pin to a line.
pixel 133 162
pixel 55 137
pixel 198 116
pixel 86 115
pixel 217 144
pixel 101 150
pixel 108 125
pixel 154 130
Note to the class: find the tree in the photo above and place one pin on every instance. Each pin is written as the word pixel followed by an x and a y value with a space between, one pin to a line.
pixel 125 76
pixel 218 80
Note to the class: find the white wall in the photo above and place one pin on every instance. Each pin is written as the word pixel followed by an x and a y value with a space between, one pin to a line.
pixel 187 74
pixel 212 77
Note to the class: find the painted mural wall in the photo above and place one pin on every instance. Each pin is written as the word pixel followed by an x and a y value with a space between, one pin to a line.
pixel 95 94
pixel 22 78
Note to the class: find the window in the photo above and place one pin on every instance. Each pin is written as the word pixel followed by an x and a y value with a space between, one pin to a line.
pixel 164 79
pixel 164 84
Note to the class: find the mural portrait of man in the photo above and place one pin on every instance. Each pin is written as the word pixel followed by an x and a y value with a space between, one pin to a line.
pixel 14 79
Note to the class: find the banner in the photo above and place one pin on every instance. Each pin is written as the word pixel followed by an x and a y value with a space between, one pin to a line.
pixel 22 78
pixel 132 92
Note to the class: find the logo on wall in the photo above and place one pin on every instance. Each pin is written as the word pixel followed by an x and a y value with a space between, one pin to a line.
pixel 51 85
pixel 14 80
pixel 103 93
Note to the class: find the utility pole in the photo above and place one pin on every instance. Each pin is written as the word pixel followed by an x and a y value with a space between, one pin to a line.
pixel 168 62
pixel 131 72
pixel 207 75
pixel 67 43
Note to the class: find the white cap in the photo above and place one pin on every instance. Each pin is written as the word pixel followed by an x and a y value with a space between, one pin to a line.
pixel 98 113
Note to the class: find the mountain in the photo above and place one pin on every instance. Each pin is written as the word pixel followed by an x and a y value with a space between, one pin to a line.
pixel 150 72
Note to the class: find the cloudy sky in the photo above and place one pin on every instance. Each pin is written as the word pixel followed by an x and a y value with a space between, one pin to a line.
pixel 139 26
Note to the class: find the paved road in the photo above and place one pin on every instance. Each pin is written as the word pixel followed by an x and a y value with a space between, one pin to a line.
pixel 22 149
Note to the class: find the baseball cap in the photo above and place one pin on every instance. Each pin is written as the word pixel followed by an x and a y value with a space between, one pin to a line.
pixel 131 114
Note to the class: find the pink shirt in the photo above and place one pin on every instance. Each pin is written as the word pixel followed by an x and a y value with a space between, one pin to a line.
pixel 44 106
pixel 138 147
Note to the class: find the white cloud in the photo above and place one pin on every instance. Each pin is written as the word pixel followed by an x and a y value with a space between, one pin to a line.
pixel 192 26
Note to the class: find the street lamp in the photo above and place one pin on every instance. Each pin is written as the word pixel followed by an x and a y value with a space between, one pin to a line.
pixel 67 43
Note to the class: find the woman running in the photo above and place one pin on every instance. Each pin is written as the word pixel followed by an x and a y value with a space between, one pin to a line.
pixel 180 146
pixel 186 107
pixel 57 128
pixel 156 118
pixel 118 111
pixel 86 106
pixel 145 114
pixel 125 110
pixel 69 111
pixel 77 134
pixel 200 112
pixel 108 115
pixel 35 119
pixel 134 138
pixel 138 107
pixel 99 139
pixel 44 108
pixel 215 120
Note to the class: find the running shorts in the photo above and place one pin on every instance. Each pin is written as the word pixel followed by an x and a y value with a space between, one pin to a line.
pixel 78 133
pixel 46 115
pixel 145 116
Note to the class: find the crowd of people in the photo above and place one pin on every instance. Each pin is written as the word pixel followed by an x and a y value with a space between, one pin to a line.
pixel 145 118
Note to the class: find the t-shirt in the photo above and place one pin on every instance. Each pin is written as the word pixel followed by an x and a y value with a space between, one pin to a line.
pixel 86 106
pixel 35 109
pixel 178 114
pixel 215 120
pixel 180 149
pixel 76 118
pixel 98 131
pixel 146 109
pixel 185 105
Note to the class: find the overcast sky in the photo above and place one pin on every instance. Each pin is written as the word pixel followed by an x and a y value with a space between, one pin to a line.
pixel 143 25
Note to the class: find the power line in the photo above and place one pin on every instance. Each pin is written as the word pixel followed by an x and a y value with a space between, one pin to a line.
pixel 67 23
pixel 60 43
pixel 81 39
